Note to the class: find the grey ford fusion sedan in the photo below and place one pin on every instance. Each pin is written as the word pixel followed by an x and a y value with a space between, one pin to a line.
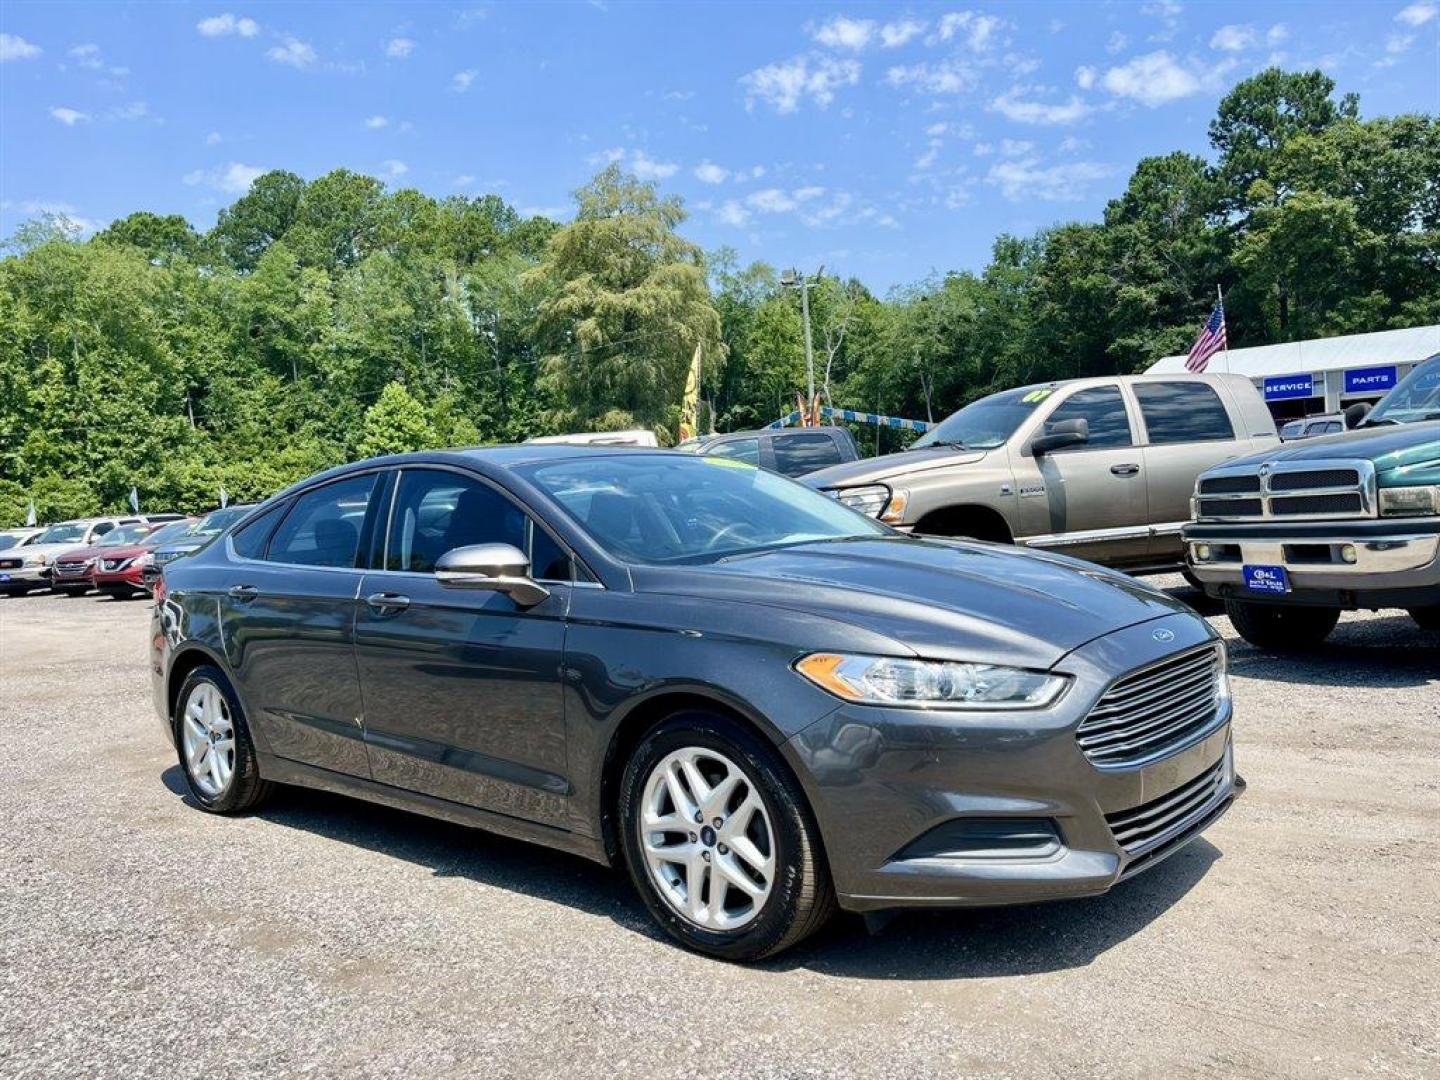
pixel 760 702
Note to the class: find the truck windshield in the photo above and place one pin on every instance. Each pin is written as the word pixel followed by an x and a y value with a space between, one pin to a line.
pixel 1415 397
pixel 985 424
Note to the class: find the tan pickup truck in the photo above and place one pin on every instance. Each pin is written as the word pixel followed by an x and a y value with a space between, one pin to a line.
pixel 1102 469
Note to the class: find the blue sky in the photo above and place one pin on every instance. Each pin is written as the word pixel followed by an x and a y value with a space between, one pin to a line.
pixel 887 141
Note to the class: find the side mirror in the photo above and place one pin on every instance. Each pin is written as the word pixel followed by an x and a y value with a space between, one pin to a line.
pixel 1356 414
pixel 1061 434
pixel 497 567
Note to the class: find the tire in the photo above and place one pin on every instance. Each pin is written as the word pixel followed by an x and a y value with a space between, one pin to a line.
pixel 799 896
pixel 1427 618
pixel 224 791
pixel 1280 628
pixel 1193 581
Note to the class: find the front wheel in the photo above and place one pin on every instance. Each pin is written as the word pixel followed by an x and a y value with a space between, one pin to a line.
pixel 1427 618
pixel 719 840
pixel 1282 629
pixel 216 753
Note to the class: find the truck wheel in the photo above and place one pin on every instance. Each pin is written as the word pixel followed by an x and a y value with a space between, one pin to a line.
pixel 1428 618
pixel 1283 629
pixel 1193 581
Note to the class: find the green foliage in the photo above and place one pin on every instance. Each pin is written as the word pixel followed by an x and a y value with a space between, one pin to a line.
pixel 322 321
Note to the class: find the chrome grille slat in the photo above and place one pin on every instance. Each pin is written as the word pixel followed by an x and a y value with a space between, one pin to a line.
pixel 1153 711
pixel 1290 490
pixel 1150 824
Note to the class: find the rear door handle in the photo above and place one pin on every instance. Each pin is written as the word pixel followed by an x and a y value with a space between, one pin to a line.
pixel 1124 470
pixel 243 592
pixel 387 601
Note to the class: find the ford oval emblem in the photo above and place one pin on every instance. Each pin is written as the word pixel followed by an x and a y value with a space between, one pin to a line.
pixel 1163 635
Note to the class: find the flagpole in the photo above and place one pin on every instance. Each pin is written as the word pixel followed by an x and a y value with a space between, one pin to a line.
pixel 1220 299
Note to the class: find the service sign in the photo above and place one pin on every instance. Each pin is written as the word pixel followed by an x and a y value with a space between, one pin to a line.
pixel 1370 380
pixel 1282 387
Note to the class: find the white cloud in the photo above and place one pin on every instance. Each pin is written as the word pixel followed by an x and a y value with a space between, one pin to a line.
pixel 293 52
pixel 227 24
pixel 136 110
pixel 462 80
pixel 978 30
pixel 1117 42
pixel 1026 179
pixel 944 77
pixel 841 32
pixel 394 168
pixel 1277 34
pixel 1070 145
pixel 771 201
pixel 900 32
pixel 937 129
pixel 1235 37
pixel 928 158
pixel 1015 147
pixel 213 139
pixel 375 123
pixel 1418 14
pixel 1154 79
pixel 14 47
pixel 1168 12
pixel 784 85
pixel 731 212
pixel 69 117
pixel 399 48
pixel 805 194
pixel 707 172
pixel 1085 77
pixel 648 169
pixel 983 149
pixel 1010 106
pixel 464 180
pixel 233 178
pixel 87 56
pixel 68 216
pixel 1398 43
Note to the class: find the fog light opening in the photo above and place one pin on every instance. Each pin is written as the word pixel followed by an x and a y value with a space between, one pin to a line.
pixel 1349 554
pixel 1203 553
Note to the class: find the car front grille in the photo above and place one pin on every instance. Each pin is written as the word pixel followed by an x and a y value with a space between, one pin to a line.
pixel 1326 489
pixel 1170 816
pixel 70 569
pixel 112 565
pixel 1154 711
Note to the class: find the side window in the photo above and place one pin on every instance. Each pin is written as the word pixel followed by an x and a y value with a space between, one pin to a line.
pixel 548 560
pixel 1182 412
pixel 1332 427
pixel 323 526
pixel 798 454
pixel 1104 409
pixel 747 450
pixel 249 542
pixel 437 511
pixel 101 529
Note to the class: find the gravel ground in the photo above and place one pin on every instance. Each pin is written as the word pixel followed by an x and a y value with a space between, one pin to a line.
pixel 139 936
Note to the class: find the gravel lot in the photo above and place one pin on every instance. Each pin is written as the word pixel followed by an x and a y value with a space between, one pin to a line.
pixel 141 936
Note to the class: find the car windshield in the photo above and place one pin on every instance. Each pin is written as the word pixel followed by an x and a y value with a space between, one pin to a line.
pixel 987 423
pixel 218 520
pixel 126 534
pixel 176 530
pixel 67 532
pixel 1415 397
pixel 672 509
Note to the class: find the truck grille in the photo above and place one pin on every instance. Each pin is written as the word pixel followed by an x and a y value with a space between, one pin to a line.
pixel 1294 491
pixel 1170 816
pixel 1154 711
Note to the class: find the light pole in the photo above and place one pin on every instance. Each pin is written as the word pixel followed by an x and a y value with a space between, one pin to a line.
pixel 791 279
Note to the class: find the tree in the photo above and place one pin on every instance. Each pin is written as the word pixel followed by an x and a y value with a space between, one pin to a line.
pixel 395 424
pixel 157 237
pixel 245 230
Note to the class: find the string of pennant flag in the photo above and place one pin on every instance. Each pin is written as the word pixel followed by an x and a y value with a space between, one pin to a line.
pixel 900 423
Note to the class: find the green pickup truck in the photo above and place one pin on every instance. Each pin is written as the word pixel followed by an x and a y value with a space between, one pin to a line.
pixel 1291 536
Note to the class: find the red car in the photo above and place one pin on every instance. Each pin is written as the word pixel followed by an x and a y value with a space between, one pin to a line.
pixel 118 566
pixel 73 572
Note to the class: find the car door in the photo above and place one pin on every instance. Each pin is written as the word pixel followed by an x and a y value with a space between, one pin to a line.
pixel 288 620
pixel 1187 430
pixel 1086 500
pixel 462 687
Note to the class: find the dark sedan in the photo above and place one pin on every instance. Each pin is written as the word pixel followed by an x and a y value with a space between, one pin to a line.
pixel 760 702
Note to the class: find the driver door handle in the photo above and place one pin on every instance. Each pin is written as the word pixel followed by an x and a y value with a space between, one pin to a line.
pixel 388 601
pixel 243 592
pixel 1125 470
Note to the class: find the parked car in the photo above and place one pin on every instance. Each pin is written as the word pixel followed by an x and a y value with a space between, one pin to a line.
pixel 118 567
pixel 1290 538
pixel 788 451
pixel 1100 468
pixel 30 567
pixel 10 538
pixel 639 437
pixel 196 537
pixel 73 572
pixel 758 701
pixel 1309 427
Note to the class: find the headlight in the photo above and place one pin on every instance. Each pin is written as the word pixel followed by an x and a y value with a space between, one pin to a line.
pixel 1409 501
pixel 37 560
pixel 943 684
pixel 146 559
pixel 869 500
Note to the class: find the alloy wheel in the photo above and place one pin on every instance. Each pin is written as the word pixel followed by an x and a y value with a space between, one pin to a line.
pixel 707 839
pixel 208 737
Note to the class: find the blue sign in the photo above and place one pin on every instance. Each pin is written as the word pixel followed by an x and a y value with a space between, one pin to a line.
pixel 1281 387
pixel 1370 380
pixel 1266 579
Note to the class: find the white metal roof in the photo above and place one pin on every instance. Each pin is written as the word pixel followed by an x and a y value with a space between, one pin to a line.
pixel 1320 354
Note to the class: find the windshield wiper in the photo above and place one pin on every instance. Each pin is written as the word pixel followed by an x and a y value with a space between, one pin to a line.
pixel 956 444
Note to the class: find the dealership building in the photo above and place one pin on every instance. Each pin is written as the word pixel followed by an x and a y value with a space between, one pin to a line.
pixel 1323 375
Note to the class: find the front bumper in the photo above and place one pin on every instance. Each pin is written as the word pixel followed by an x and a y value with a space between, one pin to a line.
pixel 1349 564
pixel 24 577
pixel 886 783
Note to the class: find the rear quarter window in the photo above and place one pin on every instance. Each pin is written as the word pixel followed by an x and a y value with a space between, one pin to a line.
pixel 798 454
pixel 1183 412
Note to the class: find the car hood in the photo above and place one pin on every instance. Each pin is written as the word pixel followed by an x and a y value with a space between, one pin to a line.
pixel 877 469
pixel 49 550
pixel 945 599
pixel 119 551
pixel 1388 445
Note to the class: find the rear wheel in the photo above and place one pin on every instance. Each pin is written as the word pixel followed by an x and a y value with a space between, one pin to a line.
pixel 719 840
pixel 1428 618
pixel 1282 629
pixel 216 753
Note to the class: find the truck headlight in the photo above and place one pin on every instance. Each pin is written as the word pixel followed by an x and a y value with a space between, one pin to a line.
pixel 941 684
pixel 1409 501
pixel 869 500
pixel 37 560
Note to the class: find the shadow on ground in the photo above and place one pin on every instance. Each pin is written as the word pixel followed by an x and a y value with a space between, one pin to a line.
pixel 956 944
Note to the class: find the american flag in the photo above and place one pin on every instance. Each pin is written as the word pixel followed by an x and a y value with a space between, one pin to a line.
pixel 1210 341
